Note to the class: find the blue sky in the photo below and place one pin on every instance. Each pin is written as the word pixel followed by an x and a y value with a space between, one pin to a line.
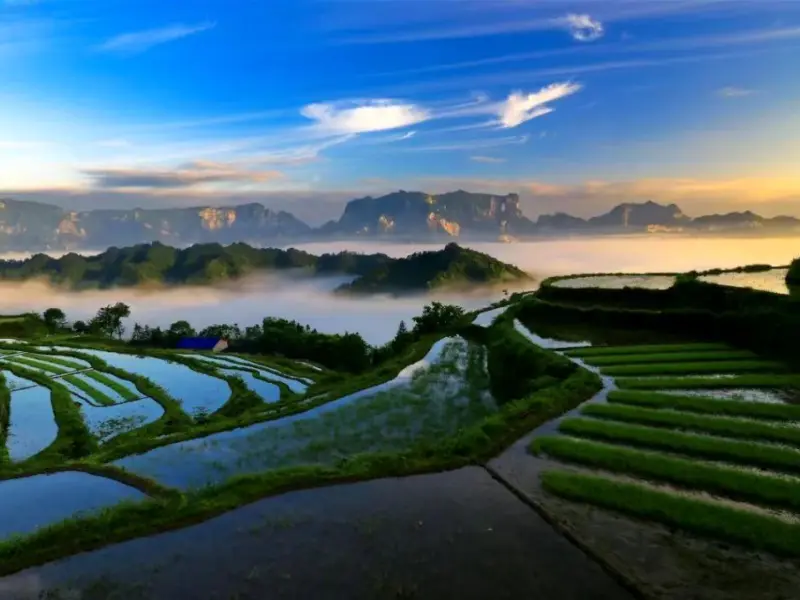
pixel 575 105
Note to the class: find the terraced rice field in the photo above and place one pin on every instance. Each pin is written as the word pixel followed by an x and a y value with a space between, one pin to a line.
pixel 724 467
pixel 773 280
pixel 433 398
pixel 651 282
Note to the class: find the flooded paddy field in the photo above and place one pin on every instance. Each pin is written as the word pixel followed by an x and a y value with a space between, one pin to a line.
pixel 446 391
pixel 29 503
pixel 458 534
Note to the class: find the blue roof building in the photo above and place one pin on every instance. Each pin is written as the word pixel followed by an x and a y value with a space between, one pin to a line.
pixel 214 344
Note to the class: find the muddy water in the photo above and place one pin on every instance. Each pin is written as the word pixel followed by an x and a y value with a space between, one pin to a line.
pixel 452 535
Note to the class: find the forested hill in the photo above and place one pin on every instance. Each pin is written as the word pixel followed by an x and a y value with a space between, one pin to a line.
pixel 204 264
pixel 454 266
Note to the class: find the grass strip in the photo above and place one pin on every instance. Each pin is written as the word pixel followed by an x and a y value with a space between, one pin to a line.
pixel 754 380
pixel 120 389
pixel 5 415
pixel 709 406
pixel 768 456
pixel 55 369
pixel 738 484
pixel 691 368
pixel 648 349
pixel 57 360
pixel 669 357
pixel 126 521
pixel 91 391
pixel 700 517
pixel 746 429
pixel 74 440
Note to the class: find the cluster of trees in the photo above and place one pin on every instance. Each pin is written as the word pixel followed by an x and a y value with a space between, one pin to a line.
pixel 452 266
pixel 284 337
pixel 793 276
pixel 157 263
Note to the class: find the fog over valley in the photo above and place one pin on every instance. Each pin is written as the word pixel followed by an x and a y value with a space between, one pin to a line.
pixel 310 301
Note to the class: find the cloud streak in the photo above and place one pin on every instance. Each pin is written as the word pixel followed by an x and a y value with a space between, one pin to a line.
pixel 734 92
pixel 188 175
pixel 489 160
pixel 584 28
pixel 141 41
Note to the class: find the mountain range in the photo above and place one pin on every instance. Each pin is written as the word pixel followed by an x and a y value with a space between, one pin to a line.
pixel 404 216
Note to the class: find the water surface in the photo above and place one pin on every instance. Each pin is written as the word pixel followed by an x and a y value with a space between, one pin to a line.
pixel 32 426
pixel 32 502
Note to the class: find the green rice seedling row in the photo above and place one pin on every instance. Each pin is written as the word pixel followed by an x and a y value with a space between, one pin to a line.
pixel 669 357
pixel 690 368
pixel 779 458
pixel 735 483
pixel 710 406
pixel 57 360
pixel 754 380
pixel 703 517
pixel 747 429
pixel 120 389
pixel 647 349
pixel 50 368
pixel 89 390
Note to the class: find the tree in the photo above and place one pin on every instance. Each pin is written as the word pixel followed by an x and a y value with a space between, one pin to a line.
pixel 54 318
pixel 402 338
pixel 181 329
pixel 437 317
pixel 80 327
pixel 108 320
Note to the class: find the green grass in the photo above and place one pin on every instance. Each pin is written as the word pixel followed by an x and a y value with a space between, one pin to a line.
pixel 709 406
pixel 56 360
pixel 779 458
pixel 120 389
pixel 470 445
pixel 740 381
pixel 748 429
pixel 648 349
pixel 691 368
pixel 700 517
pixel 21 360
pixel 738 484
pixel 92 392
pixel 669 357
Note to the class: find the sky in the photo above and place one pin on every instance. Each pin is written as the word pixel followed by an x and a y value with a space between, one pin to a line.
pixel 303 104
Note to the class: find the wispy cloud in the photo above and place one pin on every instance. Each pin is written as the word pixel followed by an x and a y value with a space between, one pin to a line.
pixel 735 92
pixel 140 41
pixel 741 38
pixel 474 144
pixel 520 108
pixel 185 176
pixel 489 160
pixel 374 115
pixel 584 28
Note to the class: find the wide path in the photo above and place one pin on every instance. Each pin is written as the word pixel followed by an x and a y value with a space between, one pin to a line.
pixel 460 535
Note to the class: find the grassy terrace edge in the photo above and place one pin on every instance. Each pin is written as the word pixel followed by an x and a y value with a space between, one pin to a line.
pixel 126 521
pixel 706 406
pixel 699 517
pixel 738 484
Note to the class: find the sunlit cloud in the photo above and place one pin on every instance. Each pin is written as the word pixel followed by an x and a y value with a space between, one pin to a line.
pixel 520 108
pixel 374 115
pixel 584 28
pixel 141 41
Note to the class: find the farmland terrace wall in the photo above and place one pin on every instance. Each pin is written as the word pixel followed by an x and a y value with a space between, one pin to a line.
pixel 764 322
